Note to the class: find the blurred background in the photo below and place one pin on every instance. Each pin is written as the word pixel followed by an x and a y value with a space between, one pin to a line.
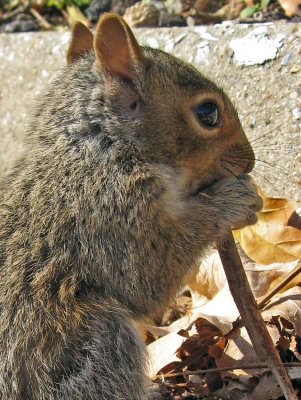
pixel 32 15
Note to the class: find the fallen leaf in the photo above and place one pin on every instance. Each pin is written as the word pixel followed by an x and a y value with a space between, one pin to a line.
pixel 163 352
pixel 239 351
pixel 191 342
pixel 295 219
pixel 272 275
pixel 233 390
pixel 267 388
pixel 207 335
pixel 261 278
pixel 291 7
pixel 294 372
pixel 214 312
pixel 288 306
pixel 272 239
pixel 207 280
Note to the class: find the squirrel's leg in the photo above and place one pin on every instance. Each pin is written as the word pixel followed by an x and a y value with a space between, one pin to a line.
pixel 113 365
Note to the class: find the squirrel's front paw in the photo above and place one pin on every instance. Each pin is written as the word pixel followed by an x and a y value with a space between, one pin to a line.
pixel 238 200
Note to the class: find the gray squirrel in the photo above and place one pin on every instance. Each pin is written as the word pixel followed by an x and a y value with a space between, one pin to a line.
pixel 134 165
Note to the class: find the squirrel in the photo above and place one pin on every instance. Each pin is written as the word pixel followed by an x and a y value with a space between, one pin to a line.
pixel 133 166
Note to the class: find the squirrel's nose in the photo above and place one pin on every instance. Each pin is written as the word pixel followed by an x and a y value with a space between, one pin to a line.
pixel 249 166
pixel 240 159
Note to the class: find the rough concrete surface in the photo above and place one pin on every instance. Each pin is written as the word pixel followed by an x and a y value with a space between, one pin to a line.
pixel 259 66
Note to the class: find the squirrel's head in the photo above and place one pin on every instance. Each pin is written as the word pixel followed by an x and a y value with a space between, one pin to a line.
pixel 173 114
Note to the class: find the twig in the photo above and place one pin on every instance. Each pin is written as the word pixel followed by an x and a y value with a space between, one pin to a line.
pixel 284 281
pixel 250 314
pixel 11 14
pixel 41 20
pixel 225 369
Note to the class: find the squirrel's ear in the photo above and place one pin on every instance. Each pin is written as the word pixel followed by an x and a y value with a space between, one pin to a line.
pixel 117 51
pixel 81 42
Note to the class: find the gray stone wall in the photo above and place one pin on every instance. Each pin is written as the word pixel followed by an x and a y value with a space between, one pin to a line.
pixel 259 66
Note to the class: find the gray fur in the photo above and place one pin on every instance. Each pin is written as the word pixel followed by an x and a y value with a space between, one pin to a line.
pixel 99 225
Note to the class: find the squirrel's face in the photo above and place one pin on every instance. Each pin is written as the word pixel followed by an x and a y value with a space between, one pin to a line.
pixel 189 123
pixel 175 116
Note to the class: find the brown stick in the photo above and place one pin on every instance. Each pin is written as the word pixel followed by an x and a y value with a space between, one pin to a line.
pixel 224 369
pixel 250 314
pixel 41 20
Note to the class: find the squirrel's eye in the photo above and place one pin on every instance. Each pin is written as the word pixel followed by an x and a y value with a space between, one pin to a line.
pixel 134 105
pixel 208 114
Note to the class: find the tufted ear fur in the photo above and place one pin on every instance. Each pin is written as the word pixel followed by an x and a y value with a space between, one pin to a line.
pixel 116 49
pixel 81 42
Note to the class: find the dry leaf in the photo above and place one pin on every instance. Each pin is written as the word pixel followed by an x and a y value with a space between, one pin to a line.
pixel 221 311
pixel 291 7
pixel 272 239
pixel 294 372
pixel 234 391
pixel 208 280
pixel 267 388
pixel 163 352
pixel 261 278
pixel 207 335
pixel 284 317
pixel 288 306
pixel 194 341
pixel 239 350
pixel 214 312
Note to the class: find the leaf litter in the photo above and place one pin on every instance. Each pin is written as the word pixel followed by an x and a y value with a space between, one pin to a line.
pixel 203 351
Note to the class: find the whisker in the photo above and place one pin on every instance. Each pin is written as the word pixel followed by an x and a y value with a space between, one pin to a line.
pixel 265 134
pixel 280 146
pixel 263 175
pixel 232 173
pixel 245 151
pixel 264 169
pixel 291 147
pixel 275 166
pixel 271 168
pixel 233 162
pixel 261 178
pixel 255 173
pixel 271 146
pixel 288 151
pixel 257 160
pixel 259 169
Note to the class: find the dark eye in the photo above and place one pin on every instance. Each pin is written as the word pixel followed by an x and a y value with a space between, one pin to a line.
pixel 134 105
pixel 208 115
